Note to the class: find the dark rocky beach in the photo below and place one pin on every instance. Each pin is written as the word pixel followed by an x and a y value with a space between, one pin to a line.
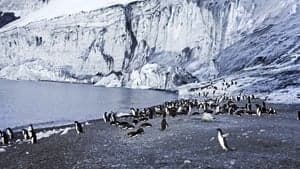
pixel 270 141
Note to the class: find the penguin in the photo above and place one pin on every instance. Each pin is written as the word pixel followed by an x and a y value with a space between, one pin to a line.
pixel 30 128
pixel 218 110
pixel 249 99
pixel 123 125
pixel 134 112
pixel 222 140
pixel 190 110
pixel 25 134
pixel 195 113
pixel 132 134
pixel 258 111
pixel 130 127
pixel 151 113
pixel 32 135
pixel 135 121
pixel 144 119
pixel 4 137
pixel 78 127
pixel 113 117
pixel 114 123
pixel 140 131
pixel 272 111
pixel 164 124
pixel 10 133
pixel 136 133
pixel 33 138
pixel 298 115
pixel 105 117
pixel 145 125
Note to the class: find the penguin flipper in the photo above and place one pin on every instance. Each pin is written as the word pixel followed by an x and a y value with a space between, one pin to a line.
pixel 225 135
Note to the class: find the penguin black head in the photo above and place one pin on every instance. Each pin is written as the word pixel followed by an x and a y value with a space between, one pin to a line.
pixel 30 128
pixel 140 131
pixel 219 130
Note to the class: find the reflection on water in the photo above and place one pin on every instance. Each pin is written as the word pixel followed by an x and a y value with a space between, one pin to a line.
pixel 47 103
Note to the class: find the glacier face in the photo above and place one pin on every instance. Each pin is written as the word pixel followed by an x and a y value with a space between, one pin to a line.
pixel 153 43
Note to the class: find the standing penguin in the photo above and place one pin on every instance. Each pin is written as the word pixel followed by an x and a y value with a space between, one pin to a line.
pixel 33 139
pixel 25 134
pixel 298 115
pixel 164 124
pixel 32 134
pixel 105 117
pixel 3 138
pixel 78 127
pixel 151 113
pixel 10 133
pixel 222 140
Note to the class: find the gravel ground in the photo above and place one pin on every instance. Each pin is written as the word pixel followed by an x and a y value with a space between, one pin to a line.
pixel 258 142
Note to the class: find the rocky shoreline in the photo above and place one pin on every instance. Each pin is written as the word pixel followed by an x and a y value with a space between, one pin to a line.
pixel 258 142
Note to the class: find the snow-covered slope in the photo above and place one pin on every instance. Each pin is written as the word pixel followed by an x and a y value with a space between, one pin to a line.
pixel 153 43
pixel 56 8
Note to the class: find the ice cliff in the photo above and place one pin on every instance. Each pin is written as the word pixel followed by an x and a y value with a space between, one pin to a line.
pixel 157 43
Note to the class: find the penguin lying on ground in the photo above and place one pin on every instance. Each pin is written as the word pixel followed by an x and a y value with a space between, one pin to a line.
pixel 136 133
pixel 145 125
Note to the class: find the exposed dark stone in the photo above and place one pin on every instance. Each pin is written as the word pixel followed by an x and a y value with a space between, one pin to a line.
pixel 7 17
pixel 129 54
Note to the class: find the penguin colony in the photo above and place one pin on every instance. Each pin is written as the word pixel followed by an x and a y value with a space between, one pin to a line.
pixel 136 122
pixel 28 135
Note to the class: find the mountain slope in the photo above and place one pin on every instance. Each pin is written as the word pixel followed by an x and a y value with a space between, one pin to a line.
pixel 153 43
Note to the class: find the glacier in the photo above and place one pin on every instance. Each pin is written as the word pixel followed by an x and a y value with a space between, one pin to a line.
pixel 169 44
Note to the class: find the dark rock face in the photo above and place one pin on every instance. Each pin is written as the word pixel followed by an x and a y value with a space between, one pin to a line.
pixel 7 17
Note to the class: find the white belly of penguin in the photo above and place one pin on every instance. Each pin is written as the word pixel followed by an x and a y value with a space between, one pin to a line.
pixel 222 141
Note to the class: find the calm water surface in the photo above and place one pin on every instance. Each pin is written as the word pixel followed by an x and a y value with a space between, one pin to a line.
pixel 48 104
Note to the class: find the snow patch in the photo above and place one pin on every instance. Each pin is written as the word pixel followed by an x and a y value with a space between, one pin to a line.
pixel 46 134
pixel 2 150
pixel 207 117
pixel 110 81
pixel 66 130
pixel 56 8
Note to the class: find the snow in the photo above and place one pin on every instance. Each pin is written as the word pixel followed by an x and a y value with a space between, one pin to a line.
pixel 56 8
pixel 66 130
pixel 207 117
pixel 110 81
pixel 2 150
pixel 46 134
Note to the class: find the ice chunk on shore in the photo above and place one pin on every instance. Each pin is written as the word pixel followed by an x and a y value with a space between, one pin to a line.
pixel 66 130
pixel 49 133
pixel 207 117
pixel 2 150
